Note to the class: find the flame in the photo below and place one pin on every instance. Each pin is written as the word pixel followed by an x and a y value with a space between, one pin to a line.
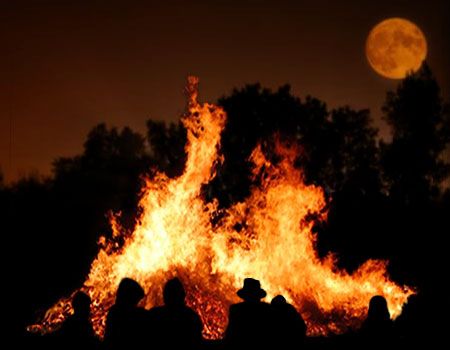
pixel 268 237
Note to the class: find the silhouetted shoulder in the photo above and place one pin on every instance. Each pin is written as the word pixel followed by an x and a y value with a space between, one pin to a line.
pixel 77 330
pixel 174 325
pixel 288 326
pixel 126 322
pixel 249 322
pixel 378 328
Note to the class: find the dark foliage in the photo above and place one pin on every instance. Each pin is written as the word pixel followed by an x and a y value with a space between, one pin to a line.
pixel 385 200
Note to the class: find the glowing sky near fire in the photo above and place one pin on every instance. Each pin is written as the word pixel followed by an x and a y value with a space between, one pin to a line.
pixel 69 65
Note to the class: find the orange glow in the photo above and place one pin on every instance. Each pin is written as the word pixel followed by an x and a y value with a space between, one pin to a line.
pixel 174 235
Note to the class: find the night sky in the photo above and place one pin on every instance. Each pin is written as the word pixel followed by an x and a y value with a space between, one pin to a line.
pixel 66 65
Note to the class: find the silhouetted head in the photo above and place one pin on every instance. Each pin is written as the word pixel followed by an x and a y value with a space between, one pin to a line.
pixel 81 304
pixel 129 293
pixel 410 320
pixel 174 293
pixel 378 309
pixel 251 291
pixel 278 300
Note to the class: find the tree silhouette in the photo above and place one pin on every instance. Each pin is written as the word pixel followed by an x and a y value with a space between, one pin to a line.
pixel 419 120
pixel 413 169
pixel 253 114
pixel 106 177
pixel 383 200
pixel 354 160
pixel 167 146
pixel 353 179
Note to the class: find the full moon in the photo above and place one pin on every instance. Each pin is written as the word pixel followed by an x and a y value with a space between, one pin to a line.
pixel 396 47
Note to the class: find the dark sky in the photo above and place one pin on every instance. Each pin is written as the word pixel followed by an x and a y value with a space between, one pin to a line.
pixel 67 65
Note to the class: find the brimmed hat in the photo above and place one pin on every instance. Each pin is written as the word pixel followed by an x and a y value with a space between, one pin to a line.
pixel 251 290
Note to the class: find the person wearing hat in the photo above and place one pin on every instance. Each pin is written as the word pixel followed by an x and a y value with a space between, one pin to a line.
pixel 249 322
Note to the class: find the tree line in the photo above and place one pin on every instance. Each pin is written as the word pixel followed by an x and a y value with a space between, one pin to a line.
pixel 387 198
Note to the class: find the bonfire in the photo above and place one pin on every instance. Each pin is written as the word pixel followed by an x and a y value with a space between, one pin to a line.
pixel 268 236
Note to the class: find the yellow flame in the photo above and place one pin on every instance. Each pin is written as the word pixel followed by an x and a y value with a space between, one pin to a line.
pixel 275 244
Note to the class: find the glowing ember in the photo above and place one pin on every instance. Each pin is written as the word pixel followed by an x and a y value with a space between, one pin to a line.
pixel 174 236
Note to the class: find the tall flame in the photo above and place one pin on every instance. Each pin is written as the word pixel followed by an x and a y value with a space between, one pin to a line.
pixel 174 235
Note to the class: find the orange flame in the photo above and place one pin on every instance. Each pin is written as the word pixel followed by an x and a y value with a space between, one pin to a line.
pixel 275 243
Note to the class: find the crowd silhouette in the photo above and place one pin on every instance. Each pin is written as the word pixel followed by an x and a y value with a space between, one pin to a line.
pixel 252 324
pixel 395 190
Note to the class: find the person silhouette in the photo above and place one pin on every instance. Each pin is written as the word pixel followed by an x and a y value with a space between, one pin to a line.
pixel 249 322
pixel 125 322
pixel 77 331
pixel 377 328
pixel 175 325
pixel 411 324
pixel 289 328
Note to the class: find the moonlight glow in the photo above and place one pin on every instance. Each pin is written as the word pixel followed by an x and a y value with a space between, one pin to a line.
pixel 395 47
